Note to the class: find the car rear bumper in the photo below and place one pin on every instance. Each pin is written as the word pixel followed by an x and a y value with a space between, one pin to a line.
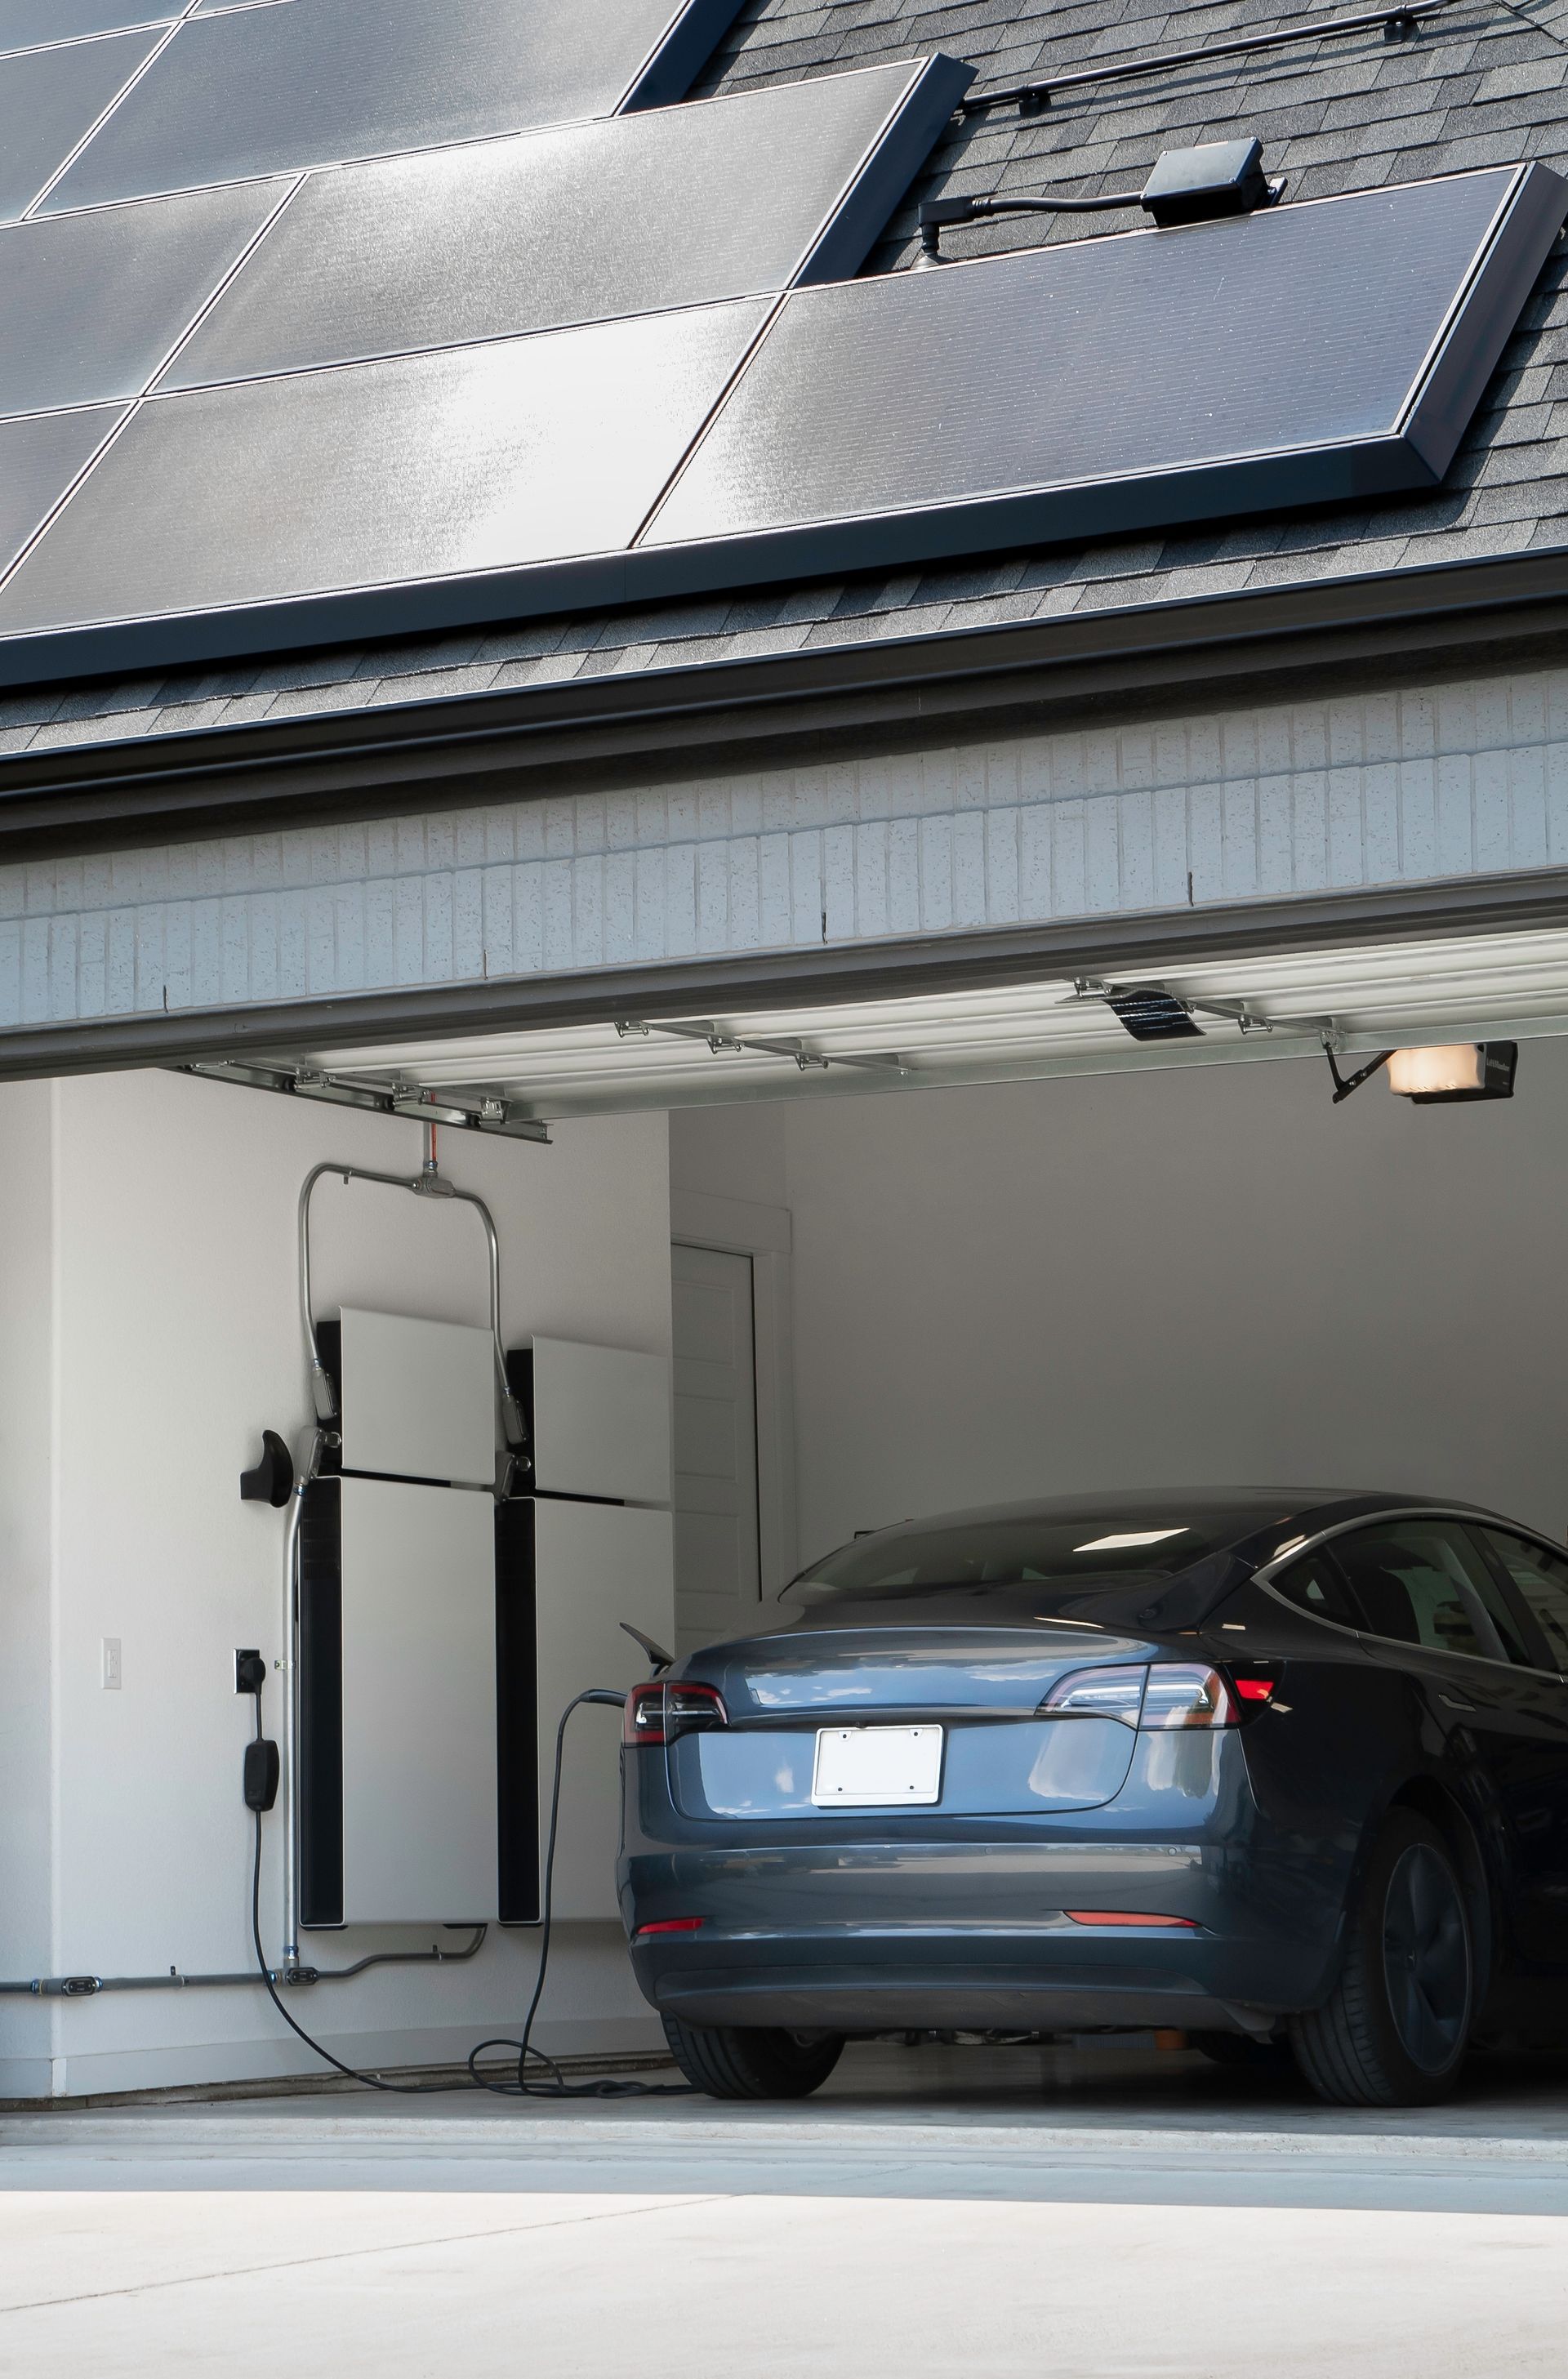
pixel 856 1992
pixel 970 1937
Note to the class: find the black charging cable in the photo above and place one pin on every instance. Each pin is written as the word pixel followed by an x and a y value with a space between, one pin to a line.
pixel 371 2081
pixel 557 2087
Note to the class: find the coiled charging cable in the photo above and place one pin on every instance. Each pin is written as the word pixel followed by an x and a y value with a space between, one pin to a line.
pixel 558 2087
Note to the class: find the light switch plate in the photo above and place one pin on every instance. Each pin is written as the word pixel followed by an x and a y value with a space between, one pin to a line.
pixel 111 1657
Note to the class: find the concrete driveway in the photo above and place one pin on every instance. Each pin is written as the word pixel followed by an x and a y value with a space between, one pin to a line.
pixel 935 2212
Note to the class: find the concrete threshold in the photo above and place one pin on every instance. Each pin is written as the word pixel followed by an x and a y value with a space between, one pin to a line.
pixel 527 2128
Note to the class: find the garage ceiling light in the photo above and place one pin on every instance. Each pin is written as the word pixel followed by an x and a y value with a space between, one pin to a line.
pixel 1129 1537
pixel 1466 1069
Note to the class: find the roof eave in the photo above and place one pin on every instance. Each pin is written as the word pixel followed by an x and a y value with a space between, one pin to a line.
pixel 708 715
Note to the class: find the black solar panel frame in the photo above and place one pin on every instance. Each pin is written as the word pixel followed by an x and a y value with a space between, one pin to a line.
pixel 1462 358
pixel 692 32
pixel 1441 400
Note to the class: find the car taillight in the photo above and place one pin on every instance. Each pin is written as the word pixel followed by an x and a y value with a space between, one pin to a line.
pixel 671 1924
pixel 660 1712
pixel 1099 1693
pixel 1184 1693
pixel 1189 1694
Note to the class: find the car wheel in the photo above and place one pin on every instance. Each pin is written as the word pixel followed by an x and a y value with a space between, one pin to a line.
pixel 745 2061
pixel 1394 2028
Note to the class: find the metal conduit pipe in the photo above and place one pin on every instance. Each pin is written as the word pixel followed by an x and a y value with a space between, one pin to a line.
pixel 427 1183
pixel 87 1986
pixel 307 1465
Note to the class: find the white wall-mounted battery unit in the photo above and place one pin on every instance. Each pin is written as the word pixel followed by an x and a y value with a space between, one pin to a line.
pixel 588 1566
pixel 598 1420
pixel 417 1399
pixel 419 1759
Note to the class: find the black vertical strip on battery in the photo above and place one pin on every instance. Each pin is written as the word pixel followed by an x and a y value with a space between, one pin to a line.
pixel 517 1715
pixel 320 1703
pixel 520 1381
pixel 329 1345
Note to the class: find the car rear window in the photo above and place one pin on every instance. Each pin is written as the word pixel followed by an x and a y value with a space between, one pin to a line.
pixel 1012 1551
pixel 1313 1585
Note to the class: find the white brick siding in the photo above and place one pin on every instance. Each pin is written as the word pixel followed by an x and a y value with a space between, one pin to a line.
pixel 1380 789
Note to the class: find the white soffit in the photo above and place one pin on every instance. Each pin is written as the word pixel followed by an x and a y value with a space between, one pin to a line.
pixel 1498 987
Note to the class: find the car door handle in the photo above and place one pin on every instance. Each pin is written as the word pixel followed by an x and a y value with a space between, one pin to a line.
pixel 1458 1706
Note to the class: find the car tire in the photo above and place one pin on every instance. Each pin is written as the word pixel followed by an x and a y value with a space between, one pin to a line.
pixel 1394 2029
pixel 745 2061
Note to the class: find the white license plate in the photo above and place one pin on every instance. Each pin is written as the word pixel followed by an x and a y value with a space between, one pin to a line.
pixel 877 1767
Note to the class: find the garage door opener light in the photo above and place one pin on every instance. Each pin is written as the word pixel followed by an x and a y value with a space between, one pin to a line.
pixel 1439 1076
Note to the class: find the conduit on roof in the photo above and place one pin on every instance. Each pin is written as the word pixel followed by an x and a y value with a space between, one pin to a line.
pixel 1033 98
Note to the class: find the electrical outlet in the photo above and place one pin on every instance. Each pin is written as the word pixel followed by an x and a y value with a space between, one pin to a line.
pixel 111 1654
pixel 251 1673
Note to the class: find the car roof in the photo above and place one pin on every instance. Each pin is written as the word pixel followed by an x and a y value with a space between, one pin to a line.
pixel 1219 1511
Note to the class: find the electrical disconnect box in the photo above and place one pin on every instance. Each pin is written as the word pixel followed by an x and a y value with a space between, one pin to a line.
pixel 442 1632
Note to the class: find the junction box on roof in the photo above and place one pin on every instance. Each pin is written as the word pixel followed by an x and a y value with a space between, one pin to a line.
pixel 1223 177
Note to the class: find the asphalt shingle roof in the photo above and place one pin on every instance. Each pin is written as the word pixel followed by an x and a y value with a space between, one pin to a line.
pixel 1485 83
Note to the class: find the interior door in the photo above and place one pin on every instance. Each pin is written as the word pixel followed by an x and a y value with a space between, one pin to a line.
pixel 718 1573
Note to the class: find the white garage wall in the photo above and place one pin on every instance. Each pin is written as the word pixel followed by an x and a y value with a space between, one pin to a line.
pixel 151 1329
pixel 1211 1275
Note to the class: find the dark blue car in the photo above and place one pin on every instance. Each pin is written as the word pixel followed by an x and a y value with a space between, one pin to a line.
pixel 1285 1772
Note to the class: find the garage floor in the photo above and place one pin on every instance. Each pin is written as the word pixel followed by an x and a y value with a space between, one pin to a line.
pixel 1093 2214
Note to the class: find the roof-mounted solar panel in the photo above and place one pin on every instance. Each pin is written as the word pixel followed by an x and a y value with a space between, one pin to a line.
pixel 1301 354
pixel 293 494
pixel 27 24
pixel 1321 351
pixel 50 99
pixel 675 207
pixel 39 458
pixel 297 83
pixel 94 303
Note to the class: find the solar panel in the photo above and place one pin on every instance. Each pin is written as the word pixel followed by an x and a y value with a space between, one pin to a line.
pixel 39 458
pixel 24 23
pixel 1320 351
pixel 676 207
pixel 49 99
pixel 307 82
pixel 430 467
pixel 1314 351
pixel 93 303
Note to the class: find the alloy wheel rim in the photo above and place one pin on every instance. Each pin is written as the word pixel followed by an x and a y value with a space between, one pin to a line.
pixel 1427 1958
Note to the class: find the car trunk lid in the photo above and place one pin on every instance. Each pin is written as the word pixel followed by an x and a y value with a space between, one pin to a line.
pixel 982 1685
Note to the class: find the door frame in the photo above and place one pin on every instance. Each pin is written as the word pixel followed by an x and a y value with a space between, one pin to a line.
pixel 735 1227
